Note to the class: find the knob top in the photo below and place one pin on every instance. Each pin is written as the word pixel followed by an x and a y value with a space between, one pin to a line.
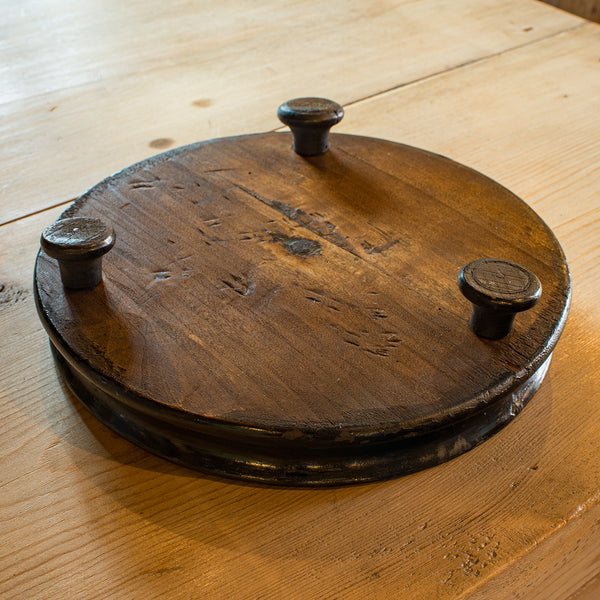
pixel 500 285
pixel 78 238
pixel 312 112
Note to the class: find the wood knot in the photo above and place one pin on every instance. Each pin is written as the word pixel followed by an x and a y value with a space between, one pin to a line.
pixel 298 246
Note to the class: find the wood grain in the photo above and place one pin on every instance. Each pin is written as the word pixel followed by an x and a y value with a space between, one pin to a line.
pixel 207 250
pixel 588 9
pixel 74 44
pixel 85 514
pixel 201 70
pixel 564 565
pixel 552 166
pixel 309 305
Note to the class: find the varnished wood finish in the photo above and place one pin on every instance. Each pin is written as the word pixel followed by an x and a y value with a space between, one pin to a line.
pixel 289 309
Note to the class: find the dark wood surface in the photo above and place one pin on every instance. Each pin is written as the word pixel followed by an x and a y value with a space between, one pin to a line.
pixel 253 287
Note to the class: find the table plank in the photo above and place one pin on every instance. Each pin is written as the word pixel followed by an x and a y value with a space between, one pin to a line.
pixel 72 43
pixel 564 565
pixel 525 122
pixel 85 514
pixel 95 500
pixel 87 90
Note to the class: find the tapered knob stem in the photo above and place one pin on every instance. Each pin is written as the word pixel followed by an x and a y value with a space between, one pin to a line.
pixel 310 120
pixel 498 289
pixel 78 244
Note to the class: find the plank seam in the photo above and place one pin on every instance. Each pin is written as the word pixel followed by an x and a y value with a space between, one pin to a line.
pixel 467 63
pixel 379 94
pixel 37 212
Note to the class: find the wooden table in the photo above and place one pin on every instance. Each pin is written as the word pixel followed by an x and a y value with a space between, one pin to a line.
pixel 511 89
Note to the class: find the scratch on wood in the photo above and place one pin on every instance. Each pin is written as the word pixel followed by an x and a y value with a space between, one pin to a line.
pixel 370 249
pixel 195 338
pixel 142 185
pixel 162 571
pixel 375 343
pixel 102 353
pixel 161 275
pixel 324 229
pixel 12 295
pixel 243 286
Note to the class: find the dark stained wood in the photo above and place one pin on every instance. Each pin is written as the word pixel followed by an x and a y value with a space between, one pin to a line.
pixel 588 9
pixel 79 245
pixel 498 290
pixel 302 307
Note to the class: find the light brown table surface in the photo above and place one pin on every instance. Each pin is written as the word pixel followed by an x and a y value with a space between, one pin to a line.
pixel 510 88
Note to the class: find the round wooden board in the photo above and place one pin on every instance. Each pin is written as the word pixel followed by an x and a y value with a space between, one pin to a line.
pixel 297 320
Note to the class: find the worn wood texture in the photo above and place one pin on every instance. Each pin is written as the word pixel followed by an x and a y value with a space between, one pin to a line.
pixel 566 564
pixel 588 9
pixel 314 300
pixel 85 514
pixel 106 95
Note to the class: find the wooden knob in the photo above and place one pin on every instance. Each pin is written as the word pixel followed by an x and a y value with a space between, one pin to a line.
pixel 310 120
pixel 498 290
pixel 79 245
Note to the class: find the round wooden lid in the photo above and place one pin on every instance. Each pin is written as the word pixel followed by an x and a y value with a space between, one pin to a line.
pixel 297 319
